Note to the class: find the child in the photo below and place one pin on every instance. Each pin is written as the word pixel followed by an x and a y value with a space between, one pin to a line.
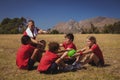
pixel 50 61
pixel 26 55
pixel 93 55
pixel 68 45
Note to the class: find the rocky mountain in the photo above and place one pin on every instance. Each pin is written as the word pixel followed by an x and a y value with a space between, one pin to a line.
pixel 75 27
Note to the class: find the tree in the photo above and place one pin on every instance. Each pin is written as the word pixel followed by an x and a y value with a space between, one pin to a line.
pixel 93 29
pixel 54 32
pixel 5 21
pixel 113 28
pixel 12 26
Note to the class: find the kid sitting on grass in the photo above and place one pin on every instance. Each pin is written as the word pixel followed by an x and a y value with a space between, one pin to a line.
pixel 27 54
pixel 68 45
pixel 92 53
pixel 50 61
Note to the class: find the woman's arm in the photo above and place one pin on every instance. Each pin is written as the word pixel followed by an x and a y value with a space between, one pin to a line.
pixel 40 31
pixel 34 41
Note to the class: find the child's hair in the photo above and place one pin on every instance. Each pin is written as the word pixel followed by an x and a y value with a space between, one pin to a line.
pixel 43 41
pixel 53 46
pixel 70 36
pixel 25 39
pixel 92 38
pixel 42 46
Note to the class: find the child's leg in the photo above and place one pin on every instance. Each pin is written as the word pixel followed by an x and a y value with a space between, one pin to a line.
pixel 30 64
pixel 32 59
pixel 94 58
pixel 35 53
pixel 91 58
pixel 79 59
pixel 62 65
pixel 54 67
pixel 64 55
pixel 60 62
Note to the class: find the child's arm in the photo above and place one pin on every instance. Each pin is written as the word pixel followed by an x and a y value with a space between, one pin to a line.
pixel 61 45
pixel 82 53
pixel 62 51
pixel 83 49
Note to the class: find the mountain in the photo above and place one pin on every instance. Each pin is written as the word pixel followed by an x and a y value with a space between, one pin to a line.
pixel 98 21
pixel 67 27
pixel 75 27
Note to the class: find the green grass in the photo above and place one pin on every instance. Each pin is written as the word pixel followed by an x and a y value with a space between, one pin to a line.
pixel 109 43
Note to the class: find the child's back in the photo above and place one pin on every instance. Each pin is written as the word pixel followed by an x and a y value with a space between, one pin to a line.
pixel 47 59
pixel 23 56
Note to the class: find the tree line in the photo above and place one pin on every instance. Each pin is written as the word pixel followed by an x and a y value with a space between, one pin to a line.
pixel 13 26
pixel 106 29
pixel 18 25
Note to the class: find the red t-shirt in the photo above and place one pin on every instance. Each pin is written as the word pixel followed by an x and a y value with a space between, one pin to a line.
pixel 23 55
pixel 96 50
pixel 71 45
pixel 24 33
pixel 47 59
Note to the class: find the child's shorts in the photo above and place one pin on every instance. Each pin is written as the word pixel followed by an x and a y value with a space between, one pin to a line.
pixel 30 64
pixel 53 69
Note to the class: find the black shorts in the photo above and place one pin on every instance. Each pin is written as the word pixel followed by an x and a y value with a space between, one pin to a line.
pixel 53 69
pixel 30 64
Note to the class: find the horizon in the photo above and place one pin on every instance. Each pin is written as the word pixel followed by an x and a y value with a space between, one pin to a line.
pixel 47 14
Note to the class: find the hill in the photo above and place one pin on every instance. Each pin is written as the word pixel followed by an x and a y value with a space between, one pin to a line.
pixel 75 27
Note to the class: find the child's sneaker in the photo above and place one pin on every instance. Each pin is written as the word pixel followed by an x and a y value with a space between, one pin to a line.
pixel 77 65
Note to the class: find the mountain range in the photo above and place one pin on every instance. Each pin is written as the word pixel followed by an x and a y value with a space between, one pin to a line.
pixel 73 26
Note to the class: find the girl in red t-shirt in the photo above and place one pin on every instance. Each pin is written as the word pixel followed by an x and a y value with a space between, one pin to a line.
pixel 91 54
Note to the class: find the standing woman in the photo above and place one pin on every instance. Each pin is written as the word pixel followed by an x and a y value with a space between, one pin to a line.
pixel 32 31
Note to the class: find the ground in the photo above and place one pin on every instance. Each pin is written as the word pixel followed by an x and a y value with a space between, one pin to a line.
pixel 109 44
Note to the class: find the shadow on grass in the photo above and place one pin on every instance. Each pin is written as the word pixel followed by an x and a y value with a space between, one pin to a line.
pixel 61 71
pixel 106 65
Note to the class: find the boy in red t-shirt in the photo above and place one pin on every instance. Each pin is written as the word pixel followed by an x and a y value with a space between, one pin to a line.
pixel 68 45
pixel 92 54
pixel 50 61
pixel 26 56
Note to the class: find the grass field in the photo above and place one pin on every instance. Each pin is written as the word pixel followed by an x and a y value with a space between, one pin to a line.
pixel 109 43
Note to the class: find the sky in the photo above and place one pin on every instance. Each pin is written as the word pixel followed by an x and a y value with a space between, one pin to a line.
pixel 47 13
